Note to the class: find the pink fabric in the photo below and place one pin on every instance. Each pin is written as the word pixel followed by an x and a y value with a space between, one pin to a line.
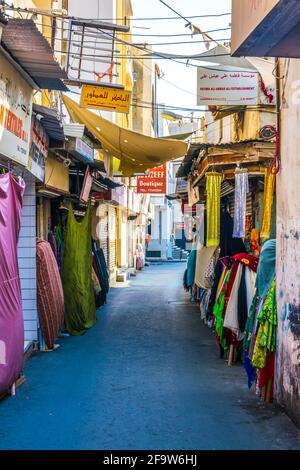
pixel 11 317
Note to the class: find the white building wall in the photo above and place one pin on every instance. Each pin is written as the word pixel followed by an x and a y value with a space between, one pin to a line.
pixel 27 262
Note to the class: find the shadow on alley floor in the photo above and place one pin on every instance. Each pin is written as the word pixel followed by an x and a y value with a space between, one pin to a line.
pixel 147 376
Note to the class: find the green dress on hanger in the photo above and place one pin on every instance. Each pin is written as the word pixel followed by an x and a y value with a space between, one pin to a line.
pixel 80 308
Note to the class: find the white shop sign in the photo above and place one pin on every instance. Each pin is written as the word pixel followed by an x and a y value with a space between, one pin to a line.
pixel 15 113
pixel 223 85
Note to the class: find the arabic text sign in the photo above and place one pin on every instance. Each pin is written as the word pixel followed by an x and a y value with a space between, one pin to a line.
pixel 108 99
pixel 227 86
pixel 155 182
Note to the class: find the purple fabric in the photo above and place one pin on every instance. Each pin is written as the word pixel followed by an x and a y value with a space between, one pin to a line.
pixel 11 318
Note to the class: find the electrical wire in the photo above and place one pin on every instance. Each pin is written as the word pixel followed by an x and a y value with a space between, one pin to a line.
pixel 39 12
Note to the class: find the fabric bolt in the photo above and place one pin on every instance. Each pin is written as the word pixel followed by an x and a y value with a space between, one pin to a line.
pixel 11 317
pixel 246 259
pixel 213 207
pixel 80 308
pixel 250 371
pixel 260 304
pixel 250 279
pixel 50 297
pixel 100 267
pixel 240 206
pixel 266 268
pixel 266 336
pixel 250 321
pixel 231 317
pixel 270 181
pixel 242 302
pixel 204 303
pixel 206 260
pixel 220 304
pixel 191 266
pixel 267 373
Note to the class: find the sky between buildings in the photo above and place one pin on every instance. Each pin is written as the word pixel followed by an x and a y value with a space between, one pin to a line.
pixel 183 94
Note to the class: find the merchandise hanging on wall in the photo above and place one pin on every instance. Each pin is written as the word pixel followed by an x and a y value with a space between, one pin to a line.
pixel 213 207
pixel 270 181
pixel 240 206
pixel 11 318
pixel 80 308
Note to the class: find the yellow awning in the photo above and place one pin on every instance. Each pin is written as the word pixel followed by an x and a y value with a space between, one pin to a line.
pixel 137 152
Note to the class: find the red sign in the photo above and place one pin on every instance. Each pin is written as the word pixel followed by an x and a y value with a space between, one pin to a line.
pixel 155 182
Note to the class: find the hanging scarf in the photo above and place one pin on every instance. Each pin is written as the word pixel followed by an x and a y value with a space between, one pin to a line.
pixel 213 206
pixel 266 337
pixel 270 179
pixel 240 206
pixel 266 268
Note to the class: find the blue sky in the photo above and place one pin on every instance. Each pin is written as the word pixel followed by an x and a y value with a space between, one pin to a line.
pixel 179 75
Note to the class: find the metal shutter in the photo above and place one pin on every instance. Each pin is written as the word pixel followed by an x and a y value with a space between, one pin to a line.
pixel 112 224
pixel 103 232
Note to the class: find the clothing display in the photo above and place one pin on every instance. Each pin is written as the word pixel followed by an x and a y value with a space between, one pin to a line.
pixel 50 297
pixel 270 181
pixel 213 208
pixel 11 317
pixel 207 257
pixel 266 268
pixel 191 265
pixel 241 191
pixel 100 267
pixel 80 308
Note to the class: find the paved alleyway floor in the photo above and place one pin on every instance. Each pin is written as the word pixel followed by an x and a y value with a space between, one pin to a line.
pixel 147 376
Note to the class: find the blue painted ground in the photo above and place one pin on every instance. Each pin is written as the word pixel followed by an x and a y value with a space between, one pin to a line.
pixel 147 376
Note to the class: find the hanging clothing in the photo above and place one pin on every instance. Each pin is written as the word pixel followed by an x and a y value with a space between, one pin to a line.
pixel 231 316
pixel 191 265
pixel 270 180
pixel 266 268
pixel 228 245
pixel 242 301
pixel 207 257
pixel 240 206
pixel 11 317
pixel 80 309
pixel 50 297
pixel 266 337
pixel 213 207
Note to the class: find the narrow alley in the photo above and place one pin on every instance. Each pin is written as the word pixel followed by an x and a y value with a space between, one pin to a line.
pixel 147 376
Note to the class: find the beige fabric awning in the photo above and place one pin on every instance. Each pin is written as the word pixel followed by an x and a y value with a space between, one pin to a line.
pixel 137 152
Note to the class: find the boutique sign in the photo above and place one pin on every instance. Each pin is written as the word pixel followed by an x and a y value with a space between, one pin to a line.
pixel 155 182
pixel 15 114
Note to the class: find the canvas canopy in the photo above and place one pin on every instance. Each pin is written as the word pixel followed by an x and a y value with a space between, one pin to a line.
pixel 136 152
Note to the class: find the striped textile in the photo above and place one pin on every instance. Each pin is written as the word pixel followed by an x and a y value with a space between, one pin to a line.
pixel 50 297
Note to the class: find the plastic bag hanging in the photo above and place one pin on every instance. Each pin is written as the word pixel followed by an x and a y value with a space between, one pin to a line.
pixel 240 205
pixel 213 207
pixel 270 179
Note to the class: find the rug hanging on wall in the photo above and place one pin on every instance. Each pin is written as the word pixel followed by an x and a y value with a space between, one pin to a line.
pixel 50 297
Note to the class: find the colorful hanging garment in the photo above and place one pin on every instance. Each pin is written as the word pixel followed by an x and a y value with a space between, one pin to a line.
pixel 266 268
pixel 266 337
pixel 207 258
pixel 213 207
pixel 240 206
pixel 270 180
pixel 50 297
pixel 80 309
pixel 191 266
pixel 11 318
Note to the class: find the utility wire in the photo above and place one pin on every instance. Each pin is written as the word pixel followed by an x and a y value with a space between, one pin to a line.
pixel 59 15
